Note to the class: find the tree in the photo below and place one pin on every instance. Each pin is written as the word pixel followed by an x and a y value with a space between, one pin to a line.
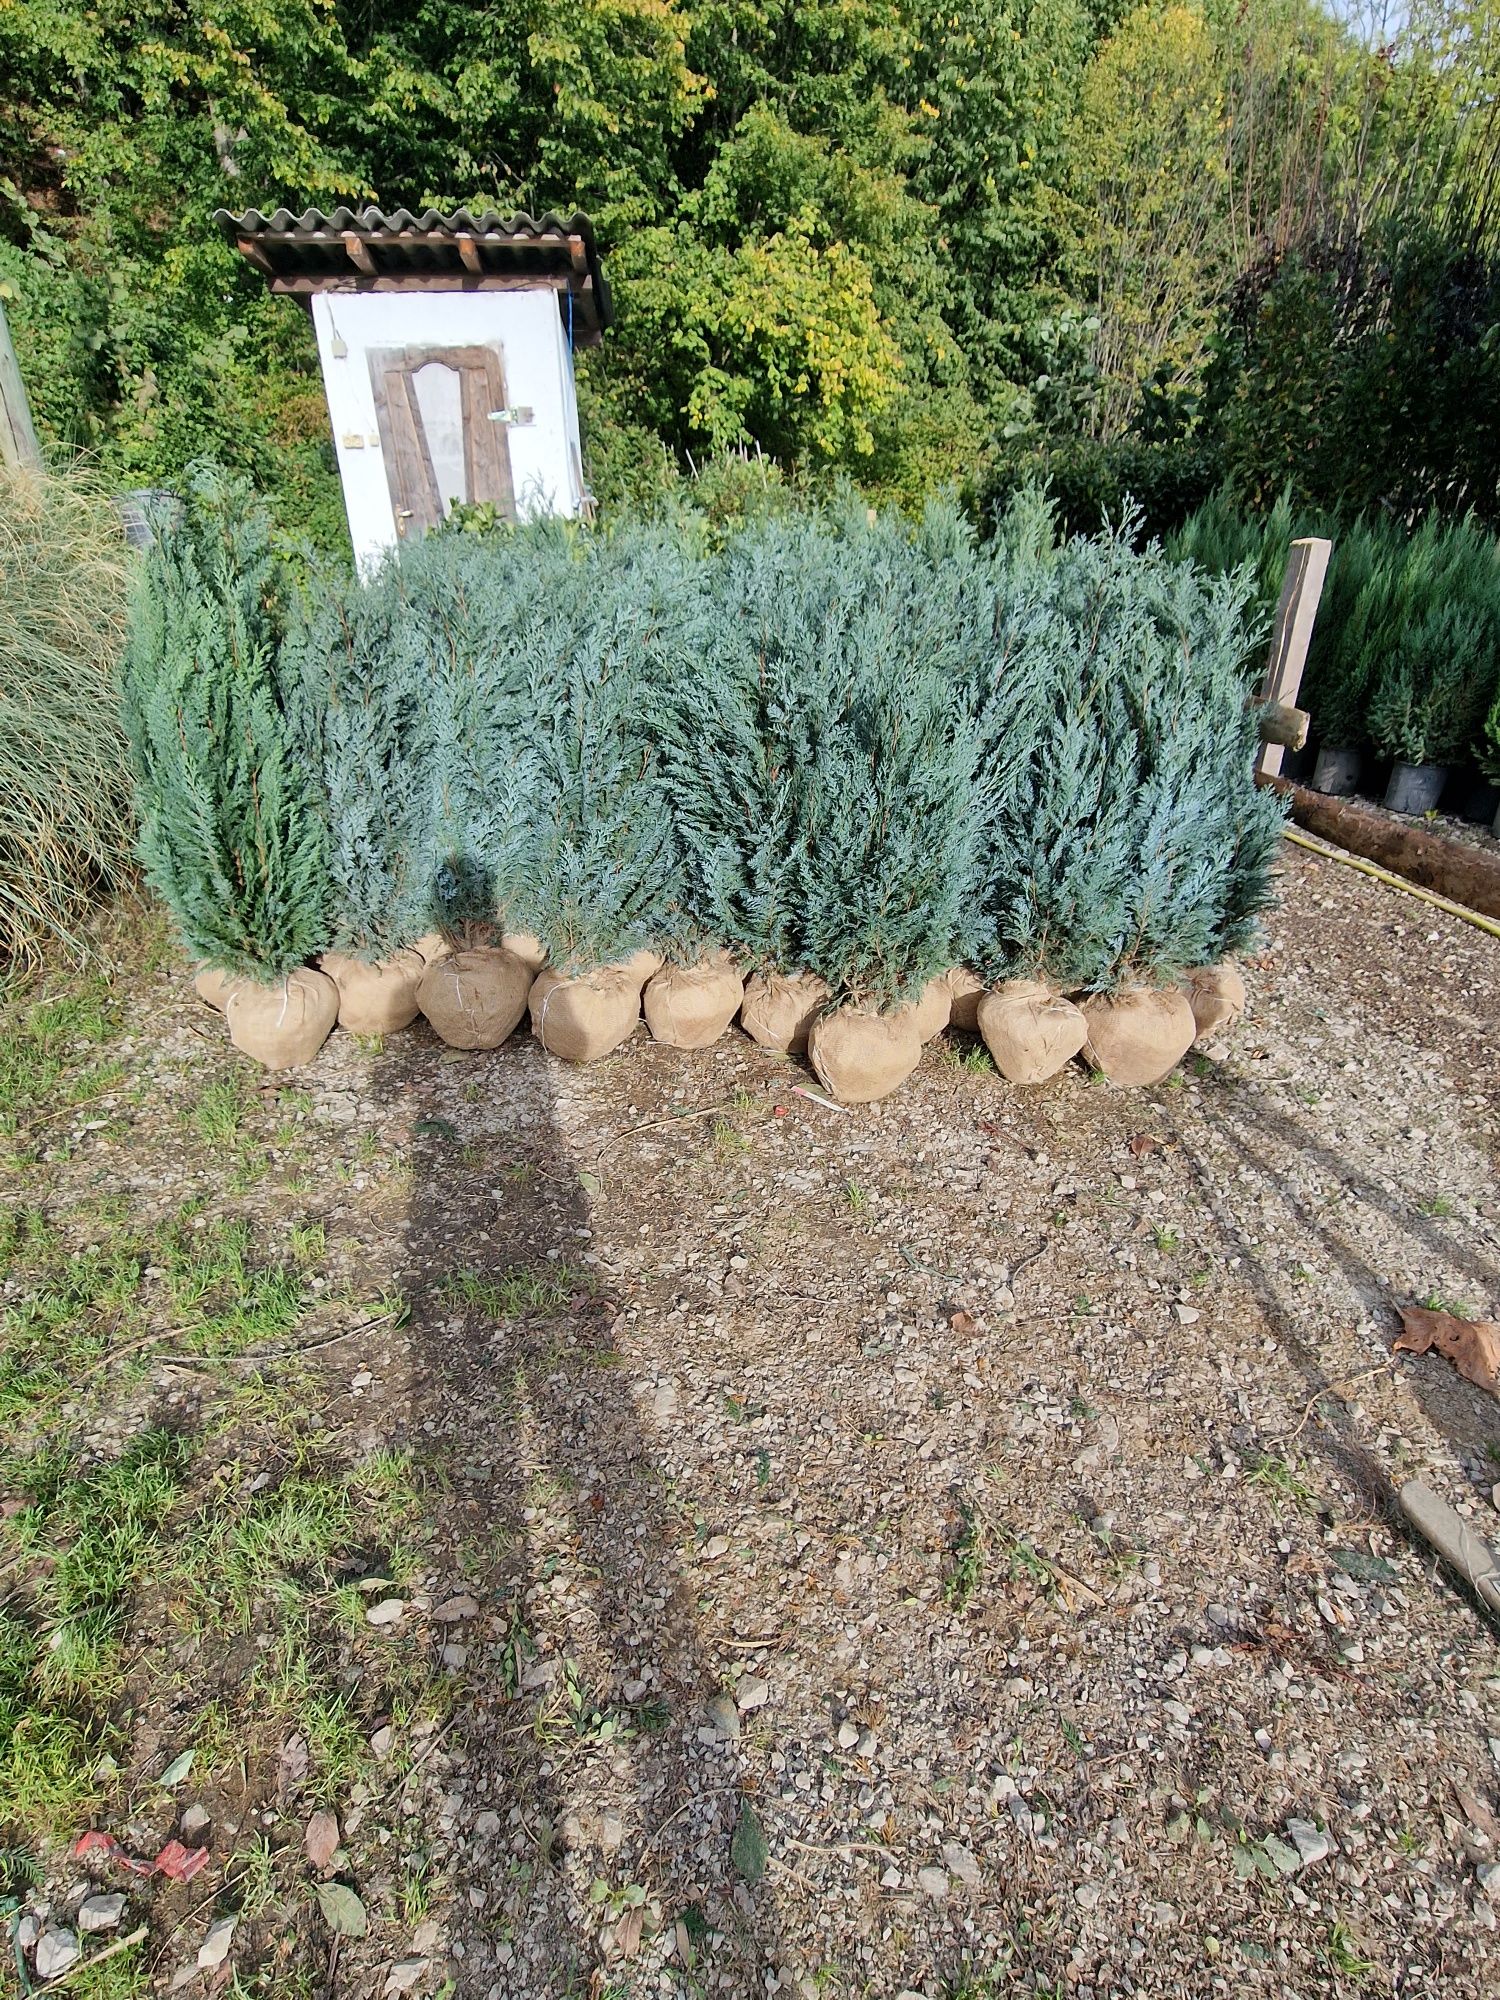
pixel 231 828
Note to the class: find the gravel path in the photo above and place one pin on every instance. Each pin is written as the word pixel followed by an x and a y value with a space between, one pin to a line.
pixel 946 1548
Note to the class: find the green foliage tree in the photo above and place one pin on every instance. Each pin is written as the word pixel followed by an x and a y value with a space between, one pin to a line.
pixel 1097 870
pixel 231 823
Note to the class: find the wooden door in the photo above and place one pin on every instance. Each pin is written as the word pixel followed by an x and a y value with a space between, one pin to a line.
pixel 442 414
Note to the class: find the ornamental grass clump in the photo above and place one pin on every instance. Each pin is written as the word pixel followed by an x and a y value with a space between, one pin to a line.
pixel 64 790
pixel 232 828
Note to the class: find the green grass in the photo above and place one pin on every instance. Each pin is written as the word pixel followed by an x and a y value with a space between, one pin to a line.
pixel 44 1065
pixel 1279 1478
pixel 228 1304
pixel 83 1541
pixel 517 1293
pixel 219 1114
pixel 967 1571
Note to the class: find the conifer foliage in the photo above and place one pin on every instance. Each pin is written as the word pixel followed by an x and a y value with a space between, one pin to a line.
pixel 863 748
pixel 232 828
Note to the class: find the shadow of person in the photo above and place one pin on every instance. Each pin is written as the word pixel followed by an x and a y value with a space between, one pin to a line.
pixel 1467 1419
pixel 594 1781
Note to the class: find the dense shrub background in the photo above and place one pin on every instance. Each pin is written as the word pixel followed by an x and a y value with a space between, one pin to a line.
pixel 1138 246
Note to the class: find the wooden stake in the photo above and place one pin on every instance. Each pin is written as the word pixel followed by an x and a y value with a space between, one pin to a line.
pixel 18 445
pixel 1301 593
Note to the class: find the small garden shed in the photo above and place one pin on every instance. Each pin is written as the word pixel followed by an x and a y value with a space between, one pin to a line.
pixel 446 343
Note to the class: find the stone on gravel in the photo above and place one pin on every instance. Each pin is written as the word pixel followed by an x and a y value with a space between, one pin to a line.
pixel 751 1693
pixel 100 1913
pixel 55 1952
pixel 195 1820
pixel 848 1736
pixel 933 1882
pixel 454 1610
pixel 1310 1841
pixel 215 1947
pixel 387 1612
pixel 405 1974
pixel 724 1716
pixel 959 1861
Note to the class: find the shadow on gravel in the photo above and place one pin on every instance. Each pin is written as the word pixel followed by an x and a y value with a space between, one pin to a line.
pixel 1450 1407
pixel 562 1526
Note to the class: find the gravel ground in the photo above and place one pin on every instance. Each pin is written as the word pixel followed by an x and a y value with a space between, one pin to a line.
pixel 942 1548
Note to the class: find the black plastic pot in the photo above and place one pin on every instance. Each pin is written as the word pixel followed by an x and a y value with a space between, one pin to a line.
pixel 1337 772
pixel 1481 801
pixel 1415 788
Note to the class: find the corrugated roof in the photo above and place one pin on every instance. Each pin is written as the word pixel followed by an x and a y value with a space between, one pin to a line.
pixel 366 250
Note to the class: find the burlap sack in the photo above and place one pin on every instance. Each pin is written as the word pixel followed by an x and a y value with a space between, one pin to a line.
pixel 1216 994
pixel 527 947
pixel 858 1057
pixel 283 1025
pixel 640 966
pixel 1030 1031
pixel 376 999
pixel 967 990
pixel 1138 1036
pixel 690 1006
pixel 473 999
pixel 777 1012
pixel 585 1018
pixel 211 986
pixel 929 1013
pixel 430 946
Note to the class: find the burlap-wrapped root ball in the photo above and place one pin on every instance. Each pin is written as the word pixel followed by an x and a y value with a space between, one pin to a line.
pixel 930 1012
pixel 966 989
pixel 1216 994
pixel 779 1009
pixel 379 998
pixel 858 1057
pixel 527 947
pixel 690 1006
pixel 212 987
pixel 1138 1036
pixel 473 999
pixel 283 1025
pixel 586 1017
pixel 1030 1031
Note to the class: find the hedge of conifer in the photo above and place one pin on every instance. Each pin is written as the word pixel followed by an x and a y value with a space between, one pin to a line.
pixel 855 747
pixel 1405 654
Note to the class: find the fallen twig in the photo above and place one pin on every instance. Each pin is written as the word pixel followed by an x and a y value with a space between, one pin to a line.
pixel 1338 1382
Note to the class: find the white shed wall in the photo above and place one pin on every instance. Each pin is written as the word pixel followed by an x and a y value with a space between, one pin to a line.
pixel 528 329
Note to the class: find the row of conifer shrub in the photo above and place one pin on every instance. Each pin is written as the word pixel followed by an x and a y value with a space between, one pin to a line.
pixel 1405 654
pixel 856 747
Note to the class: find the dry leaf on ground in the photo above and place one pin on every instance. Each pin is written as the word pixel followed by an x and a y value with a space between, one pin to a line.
pixel 1472 1345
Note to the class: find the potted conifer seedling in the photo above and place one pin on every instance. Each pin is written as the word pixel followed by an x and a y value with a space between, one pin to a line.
pixel 231 831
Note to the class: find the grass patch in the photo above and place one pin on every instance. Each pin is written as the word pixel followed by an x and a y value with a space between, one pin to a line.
pixel 518 1293
pixel 85 1541
pixel 228 1304
pixel 44 1066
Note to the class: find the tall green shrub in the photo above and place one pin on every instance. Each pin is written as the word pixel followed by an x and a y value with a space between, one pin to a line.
pixel 1130 841
pixel 1433 682
pixel 600 873
pixel 231 822
pixel 819 767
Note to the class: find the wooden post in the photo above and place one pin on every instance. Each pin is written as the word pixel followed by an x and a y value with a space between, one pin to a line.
pixel 1301 592
pixel 18 445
